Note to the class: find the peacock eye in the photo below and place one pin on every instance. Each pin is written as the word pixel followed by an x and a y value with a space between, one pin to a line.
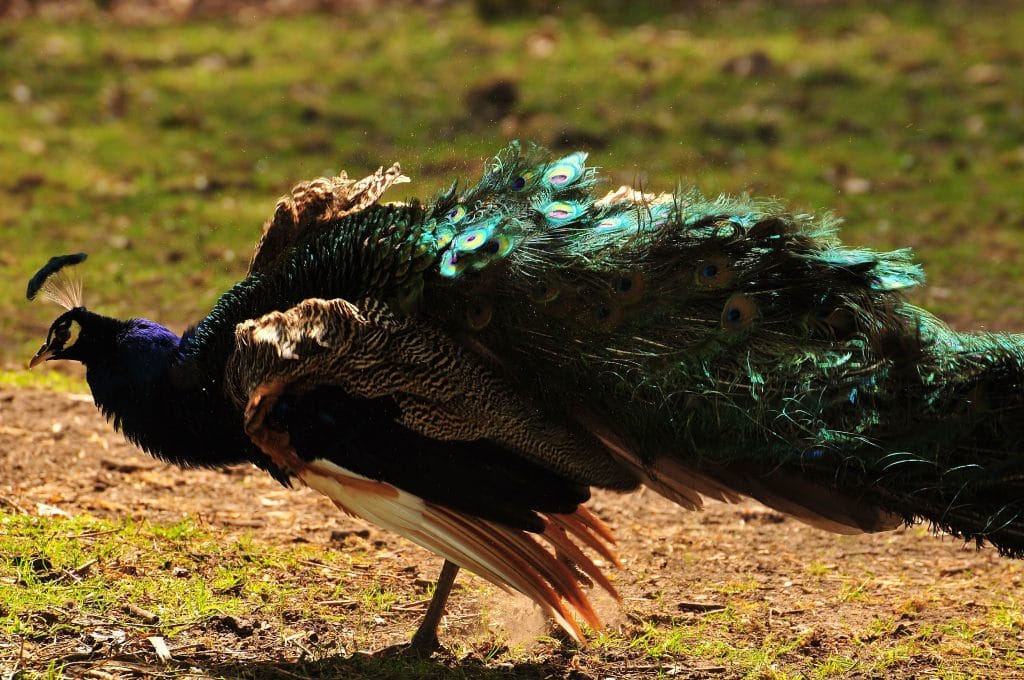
pixel 474 239
pixel 715 272
pixel 559 211
pixel 544 291
pixel 456 214
pixel 451 264
pixel 562 212
pixel 479 313
pixel 606 317
pixel 628 287
pixel 739 313
pixel 518 183
pixel 564 172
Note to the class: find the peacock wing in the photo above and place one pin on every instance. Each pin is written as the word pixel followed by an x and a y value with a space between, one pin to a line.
pixel 396 424
pixel 317 203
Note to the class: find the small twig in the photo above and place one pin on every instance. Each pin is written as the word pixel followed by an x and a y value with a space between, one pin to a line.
pixel 192 646
pixel 94 534
pixel 21 656
pixel 450 618
pixel 347 604
pixel 953 571
pixel 144 614
pixel 4 500
pixel 177 626
pixel 414 606
pixel 675 670
pixel 701 607
pixel 79 570
pixel 313 563
pixel 244 523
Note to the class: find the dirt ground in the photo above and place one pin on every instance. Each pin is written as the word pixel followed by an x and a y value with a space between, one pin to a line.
pixel 897 593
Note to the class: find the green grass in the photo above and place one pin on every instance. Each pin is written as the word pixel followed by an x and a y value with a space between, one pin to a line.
pixel 161 150
pixel 58 573
pixel 69 578
pixel 42 379
pixel 66 582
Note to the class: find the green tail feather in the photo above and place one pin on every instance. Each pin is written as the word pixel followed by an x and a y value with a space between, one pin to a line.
pixel 737 346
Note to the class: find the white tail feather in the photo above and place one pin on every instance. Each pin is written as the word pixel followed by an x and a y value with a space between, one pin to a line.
pixel 507 557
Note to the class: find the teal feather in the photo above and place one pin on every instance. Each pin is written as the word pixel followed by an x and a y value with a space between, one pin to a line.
pixel 565 172
pixel 560 213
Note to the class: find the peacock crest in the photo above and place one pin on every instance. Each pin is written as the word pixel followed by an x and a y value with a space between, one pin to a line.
pixel 56 283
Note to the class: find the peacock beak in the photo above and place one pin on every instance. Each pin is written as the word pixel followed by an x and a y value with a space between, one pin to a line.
pixel 44 354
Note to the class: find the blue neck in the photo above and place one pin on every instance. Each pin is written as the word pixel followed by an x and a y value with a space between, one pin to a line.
pixel 139 384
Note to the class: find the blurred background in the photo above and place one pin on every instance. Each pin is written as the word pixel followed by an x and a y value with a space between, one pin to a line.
pixel 157 136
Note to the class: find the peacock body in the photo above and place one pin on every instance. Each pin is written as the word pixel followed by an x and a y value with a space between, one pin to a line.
pixel 463 371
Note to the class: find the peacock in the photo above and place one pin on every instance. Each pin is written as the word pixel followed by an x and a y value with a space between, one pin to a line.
pixel 464 371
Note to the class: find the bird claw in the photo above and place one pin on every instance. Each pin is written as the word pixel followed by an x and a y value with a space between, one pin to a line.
pixel 424 643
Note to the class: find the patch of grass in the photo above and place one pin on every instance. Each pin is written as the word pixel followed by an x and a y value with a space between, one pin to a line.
pixel 58 572
pixel 877 628
pixel 378 599
pixel 854 591
pixel 834 666
pixel 912 606
pixel 738 587
pixel 73 579
pixel 42 380
pixel 1007 616
pixel 74 583
pixel 818 569
pixel 703 639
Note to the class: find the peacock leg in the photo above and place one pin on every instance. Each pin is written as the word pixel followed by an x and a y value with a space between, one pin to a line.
pixel 425 638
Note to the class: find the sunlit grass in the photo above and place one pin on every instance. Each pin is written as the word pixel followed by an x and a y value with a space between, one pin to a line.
pixel 43 380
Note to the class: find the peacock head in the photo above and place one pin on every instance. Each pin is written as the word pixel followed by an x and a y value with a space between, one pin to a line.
pixel 66 339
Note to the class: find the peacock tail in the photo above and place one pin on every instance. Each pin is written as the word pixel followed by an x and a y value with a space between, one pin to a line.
pixel 724 346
